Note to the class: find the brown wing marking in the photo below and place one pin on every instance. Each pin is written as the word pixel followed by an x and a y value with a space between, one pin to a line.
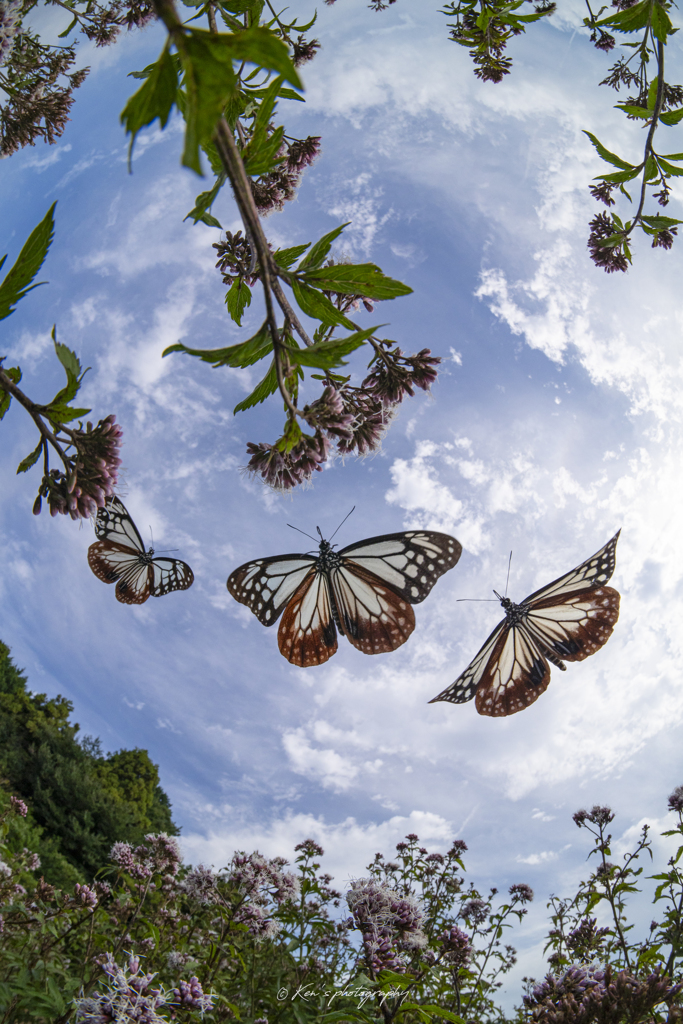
pixel 374 617
pixel 578 625
pixel 306 635
pixel 112 563
pixel 516 675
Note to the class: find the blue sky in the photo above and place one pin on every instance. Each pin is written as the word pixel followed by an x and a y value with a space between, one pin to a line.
pixel 555 421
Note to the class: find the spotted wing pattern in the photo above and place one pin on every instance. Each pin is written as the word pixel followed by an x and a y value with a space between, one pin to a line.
pixel 119 556
pixel 307 635
pixel 267 584
pixel 372 615
pixel 569 619
pixel 410 562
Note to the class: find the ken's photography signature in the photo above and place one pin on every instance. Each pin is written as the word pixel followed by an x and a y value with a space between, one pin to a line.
pixel 309 993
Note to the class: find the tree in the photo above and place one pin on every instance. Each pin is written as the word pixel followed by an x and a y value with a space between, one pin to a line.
pixel 81 800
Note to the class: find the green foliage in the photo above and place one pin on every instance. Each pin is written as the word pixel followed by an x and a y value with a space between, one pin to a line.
pixel 17 283
pixel 81 800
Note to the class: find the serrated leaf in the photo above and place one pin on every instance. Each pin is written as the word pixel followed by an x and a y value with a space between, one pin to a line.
pixel 634 111
pixel 318 306
pixel 237 300
pixel 154 99
pixel 204 202
pixel 244 354
pixel 651 170
pixel 357 279
pixel 669 168
pixel 286 257
pixel 672 117
pixel 629 20
pixel 260 156
pixel 67 358
pixel 31 459
pixel 61 413
pixel 321 248
pixel 619 176
pixel 611 158
pixel 17 283
pixel 661 222
pixel 14 374
pixel 327 354
pixel 263 389
pixel 660 23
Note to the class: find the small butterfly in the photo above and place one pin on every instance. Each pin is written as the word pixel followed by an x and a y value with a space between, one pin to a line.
pixel 120 557
pixel 571 618
pixel 365 591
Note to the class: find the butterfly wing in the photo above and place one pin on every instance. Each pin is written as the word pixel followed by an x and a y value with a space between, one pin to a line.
pixel 576 626
pixel 371 614
pixel 169 574
pixel 307 635
pixel 594 572
pixel 113 563
pixel 267 584
pixel 114 523
pixel 410 563
pixel 508 674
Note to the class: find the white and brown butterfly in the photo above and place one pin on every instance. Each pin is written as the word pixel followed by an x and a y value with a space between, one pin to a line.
pixel 365 591
pixel 571 618
pixel 119 556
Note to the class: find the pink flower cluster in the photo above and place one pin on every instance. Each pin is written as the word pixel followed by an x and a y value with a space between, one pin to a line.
pixel 159 853
pixel 93 476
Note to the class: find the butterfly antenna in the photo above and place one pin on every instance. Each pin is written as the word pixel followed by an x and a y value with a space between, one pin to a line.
pixel 342 523
pixel 508 579
pixel 475 599
pixel 301 531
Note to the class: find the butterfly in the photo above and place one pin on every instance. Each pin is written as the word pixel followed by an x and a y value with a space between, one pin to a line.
pixel 571 618
pixel 119 556
pixel 365 591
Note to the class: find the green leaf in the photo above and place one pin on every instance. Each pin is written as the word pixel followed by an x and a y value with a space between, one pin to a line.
pixel 652 93
pixel 611 158
pixel 209 81
pixel 262 390
pixel 672 116
pixel 285 257
pixel 67 358
pixel 31 459
pixel 239 297
pixel 155 98
pixel 628 108
pixel 629 20
pixel 660 23
pixel 318 306
pixel 437 1011
pixel 244 354
pixel 661 222
pixel 651 170
pixel 321 248
pixel 673 156
pixel 260 46
pixel 619 176
pixel 357 279
pixel 14 374
pixel 61 413
pixel 327 354
pixel 204 202
pixel 17 283
pixel 669 168
pixel 260 156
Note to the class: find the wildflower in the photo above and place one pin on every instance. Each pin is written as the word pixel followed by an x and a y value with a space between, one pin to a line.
pixel 5 870
pixel 93 475
pixel 85 896
pixel 200 885
pixel 191 994
pixel 18 806
pixel 664 238
pixel 163 851
pixel 456 946
pixel 476 911
pixel 32 861
pixel 370 422
pixel 435 858
pixel 522 893
pixel 599 816
pixel 327 413
pixel 304 51
pixel 387 920
pixel 604 41
pixel 309 848
pixel 610 257
pixel 128 996
pixel 44 892
pixel 586 940
pixel 603 192
pixel 302 153
pixel 10 22
pixel 122 854
pixel 284 470
pixel 175 960
pixel 676 800
pixel 236 259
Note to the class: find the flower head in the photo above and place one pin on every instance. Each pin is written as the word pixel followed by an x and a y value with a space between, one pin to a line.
pixel 522 893
pixel 191 995
pixel 476 911
pixel 457 948
pixel 93 475
pixel 676 800
pixel 18 806
pixel 10 22
pixel 200 885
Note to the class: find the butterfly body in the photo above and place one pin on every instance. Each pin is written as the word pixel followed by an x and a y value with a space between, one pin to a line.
pixel 571 618
pixel 119 556
pixel 364 592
